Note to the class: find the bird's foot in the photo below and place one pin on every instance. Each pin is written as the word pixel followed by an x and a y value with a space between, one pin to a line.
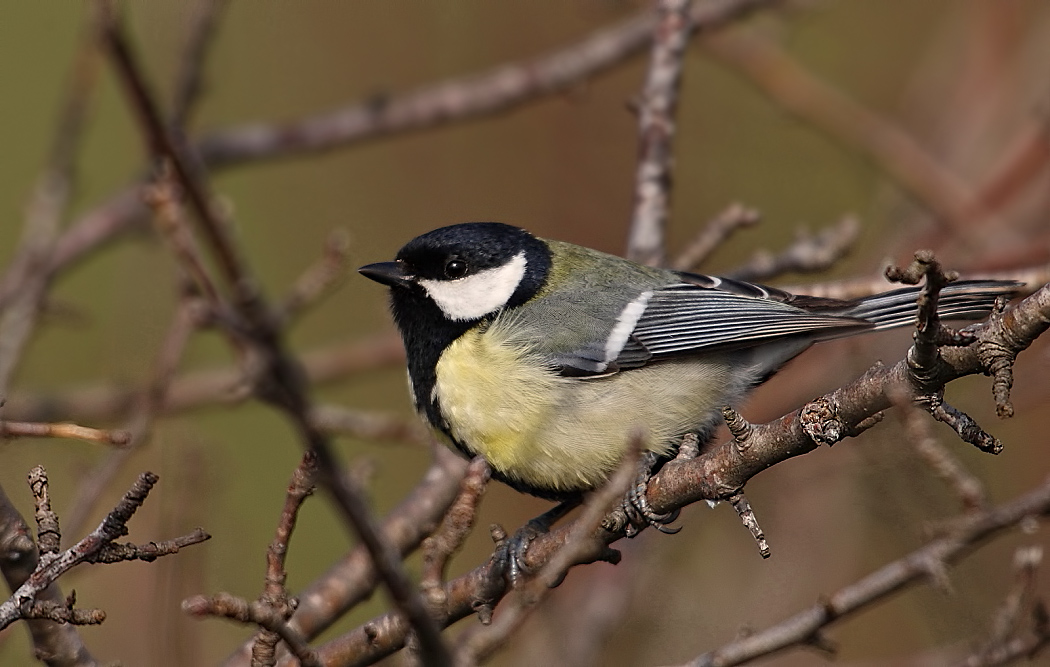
pixel 640 514
pixel 510 552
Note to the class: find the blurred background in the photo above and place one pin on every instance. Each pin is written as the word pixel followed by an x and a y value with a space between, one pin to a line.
pixel 964 80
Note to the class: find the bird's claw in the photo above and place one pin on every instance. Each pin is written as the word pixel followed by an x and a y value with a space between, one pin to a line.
pixel 640 514
pixel 510 553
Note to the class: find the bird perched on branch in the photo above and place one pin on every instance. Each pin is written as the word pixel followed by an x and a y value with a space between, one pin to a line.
pixel 544 357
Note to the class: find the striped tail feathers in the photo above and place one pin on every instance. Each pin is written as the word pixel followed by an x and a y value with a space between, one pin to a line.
pixel 962 300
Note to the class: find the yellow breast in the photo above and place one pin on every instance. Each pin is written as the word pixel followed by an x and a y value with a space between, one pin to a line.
pixel 564 434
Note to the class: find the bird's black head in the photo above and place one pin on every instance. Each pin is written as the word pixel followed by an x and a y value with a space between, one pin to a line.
pixel 448 280
pixel 469 271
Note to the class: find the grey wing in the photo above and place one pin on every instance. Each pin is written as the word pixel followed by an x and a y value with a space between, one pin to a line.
pixel 704 314
pixel 684 319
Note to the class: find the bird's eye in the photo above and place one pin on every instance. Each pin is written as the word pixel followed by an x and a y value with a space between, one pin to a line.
pixel 455 268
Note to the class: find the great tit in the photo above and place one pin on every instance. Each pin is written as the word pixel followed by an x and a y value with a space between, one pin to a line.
pixel 544 357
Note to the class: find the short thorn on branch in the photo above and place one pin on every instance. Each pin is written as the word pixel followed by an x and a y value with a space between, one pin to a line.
pixel 747 516
pixel 739 428
pixel 62 612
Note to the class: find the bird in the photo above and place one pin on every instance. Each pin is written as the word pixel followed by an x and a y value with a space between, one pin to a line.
pixel 543 357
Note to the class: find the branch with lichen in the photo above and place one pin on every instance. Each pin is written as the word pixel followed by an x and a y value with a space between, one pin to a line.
pixel 97 547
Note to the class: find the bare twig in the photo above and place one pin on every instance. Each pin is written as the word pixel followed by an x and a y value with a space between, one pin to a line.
pixel 912 569
pixel 189 79
pixel 656 126
pixel 714 234
pixel 275 595
pixel 583 543
pixel 801 92
pixel 319 278
pixel 63 612
pixel 48 534
pixel 28 276
pixel 10 429
pixel 750 521
pixel 280 382
pixel 354 578
pixel 165 200
pixel 19 559
pixel 96 547
pixel 925 363
pixel 256 613
pixel 808 254
pixel 454 529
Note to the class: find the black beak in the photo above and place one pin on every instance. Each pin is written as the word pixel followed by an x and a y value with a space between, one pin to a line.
pixel 388 273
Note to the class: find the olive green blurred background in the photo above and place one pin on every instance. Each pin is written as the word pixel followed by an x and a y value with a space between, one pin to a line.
pixel 563 167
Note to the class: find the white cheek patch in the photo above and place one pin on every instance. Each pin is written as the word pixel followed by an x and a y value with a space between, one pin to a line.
pixel 480 294
pixel 625 324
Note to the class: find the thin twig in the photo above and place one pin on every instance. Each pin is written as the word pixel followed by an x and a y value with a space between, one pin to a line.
pixel 280 382
pixel 189 81
pixel 28 275
pixel 19 559
pixel 454 529
pixel 319 278
pixel 275 594
pixel 93 548
pixel 353 579
pixel 656 127
pixel 582 543
pixel 734 218
pixel 808 254
pixel 10 429
pixel 256 613
pixel 891 578
pixel 800 91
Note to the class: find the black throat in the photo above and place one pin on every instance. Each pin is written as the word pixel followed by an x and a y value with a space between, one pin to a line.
pixel 427 332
